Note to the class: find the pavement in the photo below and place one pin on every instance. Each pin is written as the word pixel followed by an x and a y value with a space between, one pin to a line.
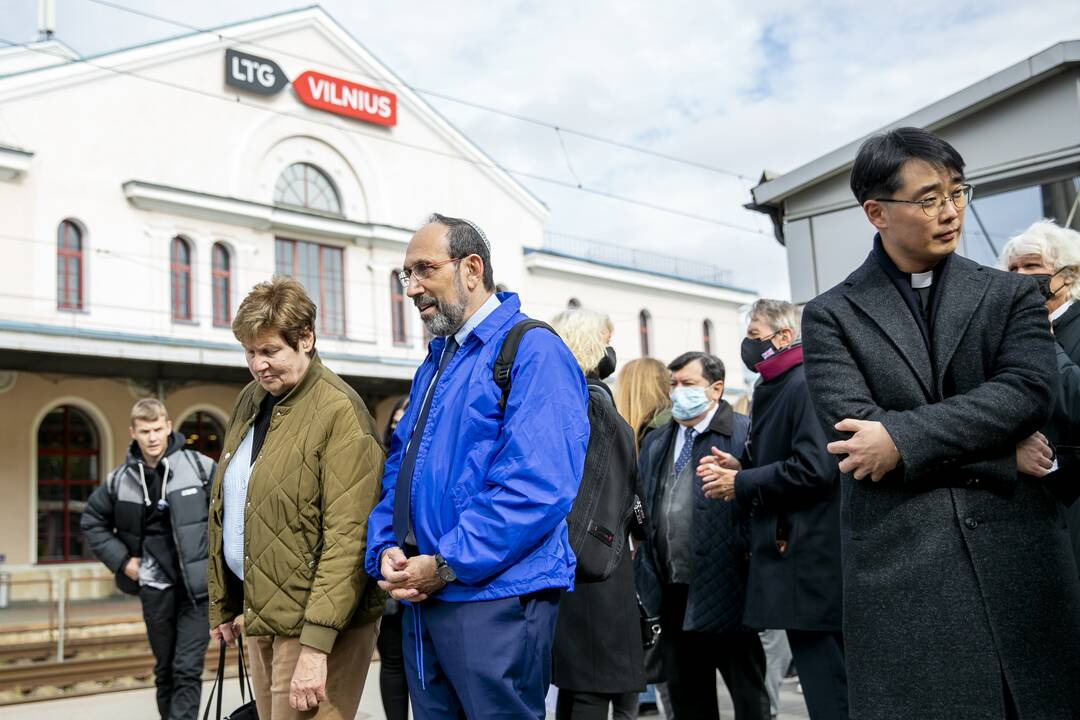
pixel 139 704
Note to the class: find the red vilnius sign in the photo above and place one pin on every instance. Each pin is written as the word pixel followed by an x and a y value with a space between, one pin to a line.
pixel 342 97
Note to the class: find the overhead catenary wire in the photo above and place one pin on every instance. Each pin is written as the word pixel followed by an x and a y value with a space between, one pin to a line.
pixel 434 93
pixel 434 151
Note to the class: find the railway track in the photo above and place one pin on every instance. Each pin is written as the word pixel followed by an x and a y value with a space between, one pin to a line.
pixel 46 649
pixel 89 675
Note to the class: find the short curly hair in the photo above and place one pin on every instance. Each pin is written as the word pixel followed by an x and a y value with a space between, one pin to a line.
pixel 281 305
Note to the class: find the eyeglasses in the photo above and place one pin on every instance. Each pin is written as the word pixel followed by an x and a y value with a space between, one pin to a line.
pixel 933 205
pixel 423 270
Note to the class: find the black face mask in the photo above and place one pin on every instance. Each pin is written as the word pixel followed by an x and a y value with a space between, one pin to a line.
pixel 1044 284
pixel 606 366
pixel 754 350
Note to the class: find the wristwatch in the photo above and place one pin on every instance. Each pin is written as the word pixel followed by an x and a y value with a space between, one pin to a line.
pixel 444 571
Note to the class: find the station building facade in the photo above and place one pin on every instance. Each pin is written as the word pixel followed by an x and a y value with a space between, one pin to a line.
pixel 143 192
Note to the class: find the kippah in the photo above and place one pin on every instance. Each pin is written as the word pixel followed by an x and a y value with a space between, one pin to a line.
pixel 479 232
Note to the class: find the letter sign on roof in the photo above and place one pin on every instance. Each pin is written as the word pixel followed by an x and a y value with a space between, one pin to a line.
pixel 343 97
pixel 253 73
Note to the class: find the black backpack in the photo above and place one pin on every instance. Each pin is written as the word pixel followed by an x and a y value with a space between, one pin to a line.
pixel 605 505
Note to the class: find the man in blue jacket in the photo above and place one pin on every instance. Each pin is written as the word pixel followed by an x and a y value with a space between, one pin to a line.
pixel 471 528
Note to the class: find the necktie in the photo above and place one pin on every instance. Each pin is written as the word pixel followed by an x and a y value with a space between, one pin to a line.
pixel 403 491
pixel 687 450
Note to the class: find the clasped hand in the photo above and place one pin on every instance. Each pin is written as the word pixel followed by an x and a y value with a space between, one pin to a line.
pixel 413 579
pixel 870 450
pixel 717 472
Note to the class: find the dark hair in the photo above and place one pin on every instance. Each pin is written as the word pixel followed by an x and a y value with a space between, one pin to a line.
pixel 388 433
pixel 464 238
pixel 876 172
pixel 712 367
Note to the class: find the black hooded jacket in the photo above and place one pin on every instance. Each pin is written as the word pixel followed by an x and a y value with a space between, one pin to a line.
pixel 122 516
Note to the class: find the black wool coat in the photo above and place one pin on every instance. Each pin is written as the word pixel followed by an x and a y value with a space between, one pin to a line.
pixel 1063 428
pixel 792 486
pixel 957 570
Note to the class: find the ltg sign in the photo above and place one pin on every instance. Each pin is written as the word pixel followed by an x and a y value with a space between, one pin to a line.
pixel 322 92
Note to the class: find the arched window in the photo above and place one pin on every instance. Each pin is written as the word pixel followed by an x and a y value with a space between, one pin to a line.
pixel 180 273
pixel 204 433
pixel 68 470
pixel 645 329
pixel 221 282
pixel 69 266
pixel 573 303
pixel 303 185
pixel 706 332
pixel 397 310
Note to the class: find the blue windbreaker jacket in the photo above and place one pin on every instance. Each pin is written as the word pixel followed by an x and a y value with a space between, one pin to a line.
pixel 491 490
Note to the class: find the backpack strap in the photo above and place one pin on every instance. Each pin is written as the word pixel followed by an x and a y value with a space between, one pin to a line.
pixel 504 363
pixel 192 458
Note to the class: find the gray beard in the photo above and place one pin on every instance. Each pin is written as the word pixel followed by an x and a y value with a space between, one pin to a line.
pixel 448 317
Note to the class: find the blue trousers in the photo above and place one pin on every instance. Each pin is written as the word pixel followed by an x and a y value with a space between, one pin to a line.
pixel 480 660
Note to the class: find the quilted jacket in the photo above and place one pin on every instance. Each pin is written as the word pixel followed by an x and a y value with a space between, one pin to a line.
pixel 717 591
pixel 311 490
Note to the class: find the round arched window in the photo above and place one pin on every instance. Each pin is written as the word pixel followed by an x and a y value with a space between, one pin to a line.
pixel 68 470
pixel 305 186
pixel 202 432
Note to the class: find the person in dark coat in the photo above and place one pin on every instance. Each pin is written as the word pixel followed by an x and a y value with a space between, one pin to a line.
pixel 791 485
pixel 597 660
pixel 692 568
pixel 1051 254
pixel 931 374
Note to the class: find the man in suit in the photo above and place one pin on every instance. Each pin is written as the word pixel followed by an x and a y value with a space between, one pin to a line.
pixel 931 374
pixel 692 568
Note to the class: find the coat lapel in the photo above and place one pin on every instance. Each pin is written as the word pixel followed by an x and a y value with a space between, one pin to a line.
pixel 873 292
pixel 962 290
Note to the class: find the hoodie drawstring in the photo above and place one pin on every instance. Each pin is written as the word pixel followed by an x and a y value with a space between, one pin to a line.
pixel 142 481
pixel 162 502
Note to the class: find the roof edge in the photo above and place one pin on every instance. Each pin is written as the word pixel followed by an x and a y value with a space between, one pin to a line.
pixel 991 89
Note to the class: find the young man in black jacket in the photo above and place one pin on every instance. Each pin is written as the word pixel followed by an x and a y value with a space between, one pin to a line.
pixel 147 523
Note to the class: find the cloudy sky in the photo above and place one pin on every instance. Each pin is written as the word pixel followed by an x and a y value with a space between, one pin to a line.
pixel 738 86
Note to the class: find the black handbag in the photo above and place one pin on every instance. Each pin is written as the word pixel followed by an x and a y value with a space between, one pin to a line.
pixel 247 711
pixel 652 643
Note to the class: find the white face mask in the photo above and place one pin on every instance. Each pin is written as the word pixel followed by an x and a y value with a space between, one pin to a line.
pixel 689 402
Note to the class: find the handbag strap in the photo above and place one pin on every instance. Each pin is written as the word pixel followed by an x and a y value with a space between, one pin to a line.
pixel 243 677
pixel 218 685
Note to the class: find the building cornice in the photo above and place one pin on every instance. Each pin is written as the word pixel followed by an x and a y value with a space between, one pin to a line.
pixel 258 216
pixel 545 262
pixel 14 162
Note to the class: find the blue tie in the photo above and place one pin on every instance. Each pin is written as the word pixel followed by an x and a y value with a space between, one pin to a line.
pixel 403 492
pixel 687 450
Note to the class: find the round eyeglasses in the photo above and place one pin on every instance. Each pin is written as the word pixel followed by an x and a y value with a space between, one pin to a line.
pixel 934 204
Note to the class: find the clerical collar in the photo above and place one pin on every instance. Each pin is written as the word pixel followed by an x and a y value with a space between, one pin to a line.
pixel 922 280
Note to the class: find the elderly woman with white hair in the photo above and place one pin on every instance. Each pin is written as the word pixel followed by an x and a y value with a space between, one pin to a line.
pixel 597 659
pixel 1051 254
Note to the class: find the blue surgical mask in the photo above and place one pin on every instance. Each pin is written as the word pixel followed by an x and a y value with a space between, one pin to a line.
pixel 689 402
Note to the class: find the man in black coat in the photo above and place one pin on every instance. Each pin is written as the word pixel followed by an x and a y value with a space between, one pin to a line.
pixel 692 567
pixel 147 522
pixel 927 370
pixel 791 485
pixel 1051 254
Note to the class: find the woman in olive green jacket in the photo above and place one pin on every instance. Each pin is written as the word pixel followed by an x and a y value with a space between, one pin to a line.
pixel 299 473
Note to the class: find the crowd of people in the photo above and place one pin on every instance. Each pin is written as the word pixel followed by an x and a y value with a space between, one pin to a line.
pixel 890 508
